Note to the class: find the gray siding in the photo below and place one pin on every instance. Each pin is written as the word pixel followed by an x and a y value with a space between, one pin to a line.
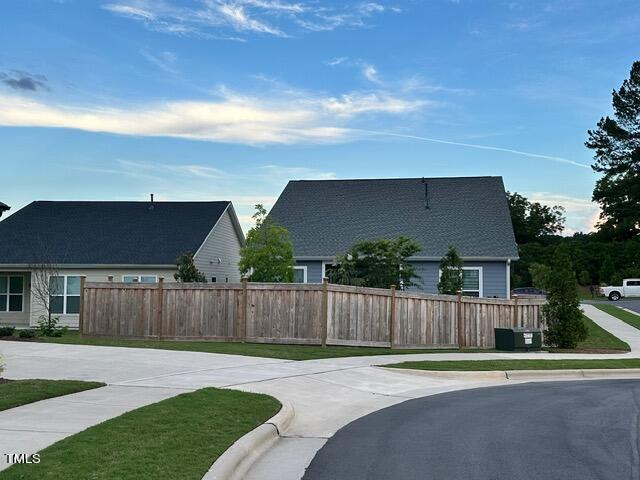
pixel 220 253
pixel 494 277
pixel 314 271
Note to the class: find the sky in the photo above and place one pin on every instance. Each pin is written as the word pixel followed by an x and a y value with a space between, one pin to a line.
pixel 230 99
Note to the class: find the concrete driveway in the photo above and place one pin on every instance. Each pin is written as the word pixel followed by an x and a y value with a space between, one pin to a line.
pixel 559 430
pixel 326 394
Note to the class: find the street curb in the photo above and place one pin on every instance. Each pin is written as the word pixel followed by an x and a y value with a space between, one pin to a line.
pixel 524 374
pixel 630 311
pixel 234 463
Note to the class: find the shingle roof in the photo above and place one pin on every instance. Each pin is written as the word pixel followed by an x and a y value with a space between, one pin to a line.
pixel 109 233
pixel 325 217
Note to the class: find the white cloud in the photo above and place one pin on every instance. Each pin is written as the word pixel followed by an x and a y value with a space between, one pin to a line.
pixel 582 214
pixel 213 18
pixel 371 73
pixel 163 60
pixel 292 118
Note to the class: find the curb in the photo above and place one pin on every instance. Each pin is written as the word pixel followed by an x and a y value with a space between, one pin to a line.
pixel 238 458
pixel 630 311
pixel 524 374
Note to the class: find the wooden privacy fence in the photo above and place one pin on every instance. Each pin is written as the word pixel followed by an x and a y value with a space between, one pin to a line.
pixel 298 313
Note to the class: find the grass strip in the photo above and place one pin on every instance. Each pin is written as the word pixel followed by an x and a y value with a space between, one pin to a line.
pixel 599 339
pixel 176 438
pixel 627 317
pixel 504 365
pixel 20 392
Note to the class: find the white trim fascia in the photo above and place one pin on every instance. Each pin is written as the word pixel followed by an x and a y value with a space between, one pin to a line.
pixel 304 269
pixel 508 268
pixel 413 259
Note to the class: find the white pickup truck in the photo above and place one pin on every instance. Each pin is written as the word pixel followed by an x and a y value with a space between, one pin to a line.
pixel 630 288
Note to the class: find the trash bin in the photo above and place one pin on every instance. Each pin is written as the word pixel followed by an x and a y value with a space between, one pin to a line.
pixel 520 339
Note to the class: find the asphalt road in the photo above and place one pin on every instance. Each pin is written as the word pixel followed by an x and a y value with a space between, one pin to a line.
pixel 624 303
pixel 554 430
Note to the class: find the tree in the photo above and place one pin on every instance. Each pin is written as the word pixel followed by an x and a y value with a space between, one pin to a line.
pixel 267 255
pixel 451 281
pixel 532 220
pixel 616 142
pixel 377 264
pixel 562 314
pixel 187 270
pixel 45 285
pixel 607 269
pixel 540 275
pixel 584 278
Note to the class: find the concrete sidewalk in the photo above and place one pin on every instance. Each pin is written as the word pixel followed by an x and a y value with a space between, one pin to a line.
pixel 326 394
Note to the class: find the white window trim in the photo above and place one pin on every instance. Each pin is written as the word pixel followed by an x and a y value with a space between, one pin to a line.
pixel 324 267
pixel 64 294
pixel 139 275
pixel 9 294
pixel 480 278
pixel 304 271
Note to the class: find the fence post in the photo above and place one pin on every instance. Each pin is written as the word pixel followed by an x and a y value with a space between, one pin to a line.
pixel 81 317
pixel 325 311
pixel 159 309
pixel 515 311
pixel 245 301
pixel 392 315
pixel 460 322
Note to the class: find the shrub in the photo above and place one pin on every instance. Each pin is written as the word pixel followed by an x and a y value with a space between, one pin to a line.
pixel 562 314
pixel 6 331
pixel 49 327
pixel 29 333
pixel 450 273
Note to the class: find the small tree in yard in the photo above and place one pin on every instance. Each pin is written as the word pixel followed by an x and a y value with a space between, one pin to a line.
pixel 45 285
pixel 450 273
pixel 187 270
pixel 562 314
pixel 377 264
pixel 267 255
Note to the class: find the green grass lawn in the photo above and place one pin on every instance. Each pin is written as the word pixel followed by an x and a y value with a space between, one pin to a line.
pixel 20 392
pixel 599 339
pixel 288 352
pixel 176 438
pixel 627 317
pixel 502 365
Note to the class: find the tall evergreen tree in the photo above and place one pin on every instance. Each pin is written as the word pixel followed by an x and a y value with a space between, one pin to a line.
pixel 532 220
pixel 616 142
pixel 451 281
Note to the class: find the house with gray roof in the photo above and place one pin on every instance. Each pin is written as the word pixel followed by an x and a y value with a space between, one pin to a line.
pixel 326 217
pixel 119 241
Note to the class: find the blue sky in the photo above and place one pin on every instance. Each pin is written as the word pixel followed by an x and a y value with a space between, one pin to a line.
pixel 229 99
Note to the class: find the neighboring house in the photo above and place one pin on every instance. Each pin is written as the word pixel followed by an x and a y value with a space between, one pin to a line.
pixel 128 241
pixel 326 217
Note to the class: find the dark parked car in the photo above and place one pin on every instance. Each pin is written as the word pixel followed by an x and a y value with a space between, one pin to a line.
pixel 528 292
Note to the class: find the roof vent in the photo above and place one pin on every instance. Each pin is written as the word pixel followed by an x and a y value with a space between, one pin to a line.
pixel 152 206
pixel 426 193
pixel 3 208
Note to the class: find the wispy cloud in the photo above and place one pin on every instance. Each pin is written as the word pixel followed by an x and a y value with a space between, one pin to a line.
pixel 215 18
pixel 194 182
pixel 291 117
pixel 25 81
pixel 163 60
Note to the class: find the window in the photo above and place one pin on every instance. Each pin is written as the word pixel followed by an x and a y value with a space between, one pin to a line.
pixel 472 281
pixel 327 267
pixel 64 293
pixel 300 274
pixel 140 279
pixel 11 293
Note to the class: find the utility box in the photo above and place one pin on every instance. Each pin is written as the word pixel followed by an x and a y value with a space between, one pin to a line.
pixel 520 339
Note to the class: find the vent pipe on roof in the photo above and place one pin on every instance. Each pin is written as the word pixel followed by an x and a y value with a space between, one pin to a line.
pixel 3 208
pixel 151 206
pixel 426 193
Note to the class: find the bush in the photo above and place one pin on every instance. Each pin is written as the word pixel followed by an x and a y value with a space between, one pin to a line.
pixel 48 327
pixel 29 333
pixel 6 331
pixel 562 314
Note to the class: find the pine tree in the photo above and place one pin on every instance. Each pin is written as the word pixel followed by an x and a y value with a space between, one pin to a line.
pixel 187 270
pixel 616 142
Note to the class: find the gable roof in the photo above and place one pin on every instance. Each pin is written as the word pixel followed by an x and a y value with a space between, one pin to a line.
pixel 106 233
pixel 326 217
